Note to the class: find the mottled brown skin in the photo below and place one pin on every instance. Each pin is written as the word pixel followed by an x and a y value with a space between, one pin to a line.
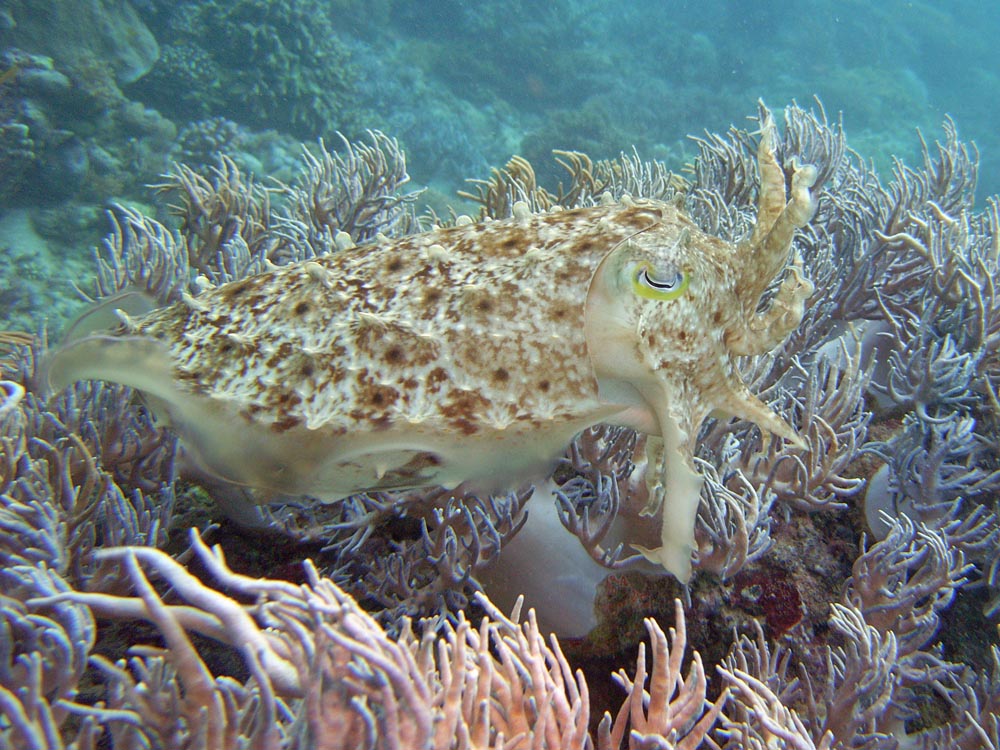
pixel 474 352
pixel 460 329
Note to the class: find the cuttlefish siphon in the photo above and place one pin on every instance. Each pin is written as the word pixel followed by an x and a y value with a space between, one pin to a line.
pixel 475 353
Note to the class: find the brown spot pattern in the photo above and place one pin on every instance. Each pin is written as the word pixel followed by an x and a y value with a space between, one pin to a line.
pixel 463 410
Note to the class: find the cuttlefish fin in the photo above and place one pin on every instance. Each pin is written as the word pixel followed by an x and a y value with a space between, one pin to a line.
pixel 110 313
pixel 214 434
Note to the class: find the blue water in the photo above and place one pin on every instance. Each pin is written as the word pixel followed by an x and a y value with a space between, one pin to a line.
pixel 605 76
pixel 466 84
pixel 89 117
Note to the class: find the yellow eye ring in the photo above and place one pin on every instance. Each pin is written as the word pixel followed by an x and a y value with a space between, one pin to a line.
pixel 663 290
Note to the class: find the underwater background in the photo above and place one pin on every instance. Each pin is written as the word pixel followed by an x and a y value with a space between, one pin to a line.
pixel 155 144
pixel 107 98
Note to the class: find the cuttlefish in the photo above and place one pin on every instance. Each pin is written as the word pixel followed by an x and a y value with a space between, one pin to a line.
pixel 476 352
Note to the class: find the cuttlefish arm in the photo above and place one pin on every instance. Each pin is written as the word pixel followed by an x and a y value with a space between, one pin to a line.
pixel 669 311
pixel 675 491
pixel 765 254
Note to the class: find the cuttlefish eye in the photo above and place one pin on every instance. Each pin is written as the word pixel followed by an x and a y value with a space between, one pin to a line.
pixel 661 284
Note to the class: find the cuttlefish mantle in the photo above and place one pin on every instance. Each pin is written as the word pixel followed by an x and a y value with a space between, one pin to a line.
pixel 473 353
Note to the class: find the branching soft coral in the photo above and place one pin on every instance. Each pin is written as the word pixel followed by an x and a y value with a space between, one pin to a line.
pixel 324 674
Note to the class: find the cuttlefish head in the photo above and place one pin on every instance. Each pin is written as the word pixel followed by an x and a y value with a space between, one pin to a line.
pixel 665 317
pixel 669 311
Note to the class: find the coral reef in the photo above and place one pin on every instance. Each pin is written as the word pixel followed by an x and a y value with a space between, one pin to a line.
pixel 508 49
pixel 48 116
pixel 266 64
pixel 79 31
pixel 877 529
